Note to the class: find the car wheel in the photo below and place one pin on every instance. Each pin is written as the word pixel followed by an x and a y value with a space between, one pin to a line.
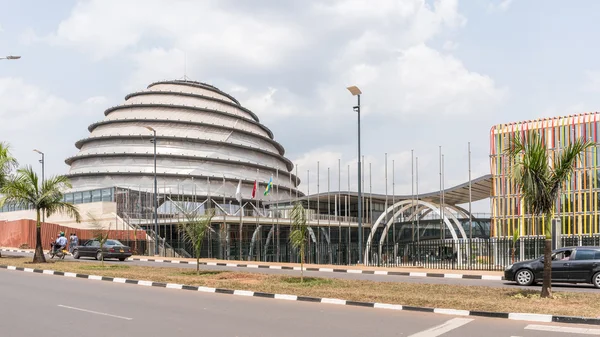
pixel 99 255
pixel 596 280
pixel 76 254
pixel 121 259
pixel 524 277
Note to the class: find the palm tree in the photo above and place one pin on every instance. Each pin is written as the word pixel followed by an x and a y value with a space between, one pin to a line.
pixel 193 230
pixel 299 234
pixel 7 164
pixel 25 189
pixel 539 179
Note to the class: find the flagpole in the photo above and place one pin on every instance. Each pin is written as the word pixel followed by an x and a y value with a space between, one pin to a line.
pixel 412 190
pixel 272 214
pixel 328 218
pixel 443 198
pixel 470 214
pixel 417 209
pixel 241 222
pixel 290 207
pixel 393 203
pixel 277 210
pixel 227 238
pixel 441 201
pixel 338 210
pixel 347 211
pixel 370 210
pixel 318 257
pixel 308 206
pixel 387 241
pixel 257 210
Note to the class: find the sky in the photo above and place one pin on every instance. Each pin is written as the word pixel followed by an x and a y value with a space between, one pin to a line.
pixel 433 73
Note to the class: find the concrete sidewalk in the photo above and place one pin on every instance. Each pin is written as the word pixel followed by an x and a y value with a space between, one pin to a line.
pixel 392 271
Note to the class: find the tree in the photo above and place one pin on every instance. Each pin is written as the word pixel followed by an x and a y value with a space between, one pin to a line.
pixel 299 234
pixel 26 189
pixel 539 179
pixel 7 164
pixel 193 230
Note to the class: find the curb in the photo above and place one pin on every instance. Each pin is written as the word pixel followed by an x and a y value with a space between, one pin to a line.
pixel 511 316
pixel 331 270
pixel 327 270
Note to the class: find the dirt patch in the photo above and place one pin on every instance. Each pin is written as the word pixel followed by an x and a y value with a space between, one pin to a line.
pixel 414 294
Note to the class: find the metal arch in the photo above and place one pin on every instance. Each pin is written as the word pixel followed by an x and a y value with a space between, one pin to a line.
pixel 251 252
pixel 269 237
pixel 475 220
pixel 311 233
pixel 391 221
pixel 327 239
pixel 431 206
pixel 419 209
pixel 456 222
pixel 453 218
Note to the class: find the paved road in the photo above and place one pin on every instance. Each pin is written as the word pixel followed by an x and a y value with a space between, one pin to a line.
pixel 369 277
pixel 52 306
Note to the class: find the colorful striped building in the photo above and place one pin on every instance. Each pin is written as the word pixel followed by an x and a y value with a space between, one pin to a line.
pixel 577 206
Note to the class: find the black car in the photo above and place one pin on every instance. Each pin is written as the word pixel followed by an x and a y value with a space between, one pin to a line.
pixel 113 249
pixel 569 265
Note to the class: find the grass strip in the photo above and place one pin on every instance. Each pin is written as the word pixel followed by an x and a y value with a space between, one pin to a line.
pixel 473 298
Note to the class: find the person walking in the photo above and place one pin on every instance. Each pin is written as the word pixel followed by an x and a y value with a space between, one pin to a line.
pixel 75 240
pixel 71 243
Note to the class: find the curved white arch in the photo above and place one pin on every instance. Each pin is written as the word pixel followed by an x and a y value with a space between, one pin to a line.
pixel 429 205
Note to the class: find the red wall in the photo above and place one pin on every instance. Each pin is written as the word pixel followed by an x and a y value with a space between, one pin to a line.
pixel 18 232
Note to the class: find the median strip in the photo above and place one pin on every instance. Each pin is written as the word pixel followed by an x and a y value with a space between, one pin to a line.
pixel 323 269
pixel 345 292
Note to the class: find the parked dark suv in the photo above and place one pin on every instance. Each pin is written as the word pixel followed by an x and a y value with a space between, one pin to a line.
pixel 569 265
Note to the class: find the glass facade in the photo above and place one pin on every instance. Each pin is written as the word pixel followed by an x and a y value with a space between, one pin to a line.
pixel 84 197
pixel 577 205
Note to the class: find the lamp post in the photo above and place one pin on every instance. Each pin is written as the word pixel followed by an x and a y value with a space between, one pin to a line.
pixel 155 195
pixel 10 57
pixel 42 162
pixel 356 92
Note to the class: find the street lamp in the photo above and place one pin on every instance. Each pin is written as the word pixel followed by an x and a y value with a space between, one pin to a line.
pixel 10 57
pixel 155 195
pixel 42 162
pixel 356 92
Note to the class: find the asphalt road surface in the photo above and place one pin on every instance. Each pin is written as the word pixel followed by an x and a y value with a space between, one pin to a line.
pixel 369 277
pixel 52 306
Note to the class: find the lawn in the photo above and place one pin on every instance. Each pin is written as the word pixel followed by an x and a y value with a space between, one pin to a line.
pixel 423 295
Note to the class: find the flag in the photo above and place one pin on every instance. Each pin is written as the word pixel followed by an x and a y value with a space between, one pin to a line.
pixel 238 192
pixel 254 190
pixel 269 186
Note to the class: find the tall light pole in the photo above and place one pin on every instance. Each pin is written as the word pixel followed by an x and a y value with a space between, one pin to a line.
pixel 10 57
pixel 356 92
pixel 42 162
pixel 155 194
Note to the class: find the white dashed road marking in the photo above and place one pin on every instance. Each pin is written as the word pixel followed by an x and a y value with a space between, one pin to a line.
pixel 443 328
pixel 95 312
pixel 564 329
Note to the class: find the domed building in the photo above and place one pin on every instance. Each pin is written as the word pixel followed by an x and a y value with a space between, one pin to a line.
pixel 206 142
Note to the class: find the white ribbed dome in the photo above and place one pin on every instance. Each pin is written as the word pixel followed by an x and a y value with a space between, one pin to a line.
pixel 203 135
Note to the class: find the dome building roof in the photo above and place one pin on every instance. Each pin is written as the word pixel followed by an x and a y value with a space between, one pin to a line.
pixel 206 141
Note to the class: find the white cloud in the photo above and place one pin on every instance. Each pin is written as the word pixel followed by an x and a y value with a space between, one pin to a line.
pixel 450 45
pixel 25 105
pixel 108 27
pixel 421 81
pixel 499 5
